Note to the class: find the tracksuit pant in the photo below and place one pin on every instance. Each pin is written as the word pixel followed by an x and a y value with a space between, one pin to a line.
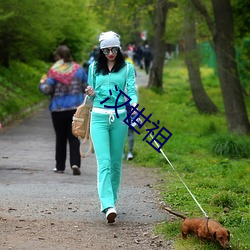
pixel 108 134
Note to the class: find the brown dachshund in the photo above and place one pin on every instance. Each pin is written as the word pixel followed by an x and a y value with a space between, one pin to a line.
pixel 204 229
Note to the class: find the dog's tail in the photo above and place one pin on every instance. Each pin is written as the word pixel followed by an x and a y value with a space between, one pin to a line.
pixel 175 213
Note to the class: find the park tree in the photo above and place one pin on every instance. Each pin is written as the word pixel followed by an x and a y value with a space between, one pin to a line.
pixel 181 29
pixel 127 18
pixel 24 32
pixel 28 33
pixel 159 44
pixel 242 34
pixel 241 18
pixel 135 16
pixel 221 28
pixel 202 101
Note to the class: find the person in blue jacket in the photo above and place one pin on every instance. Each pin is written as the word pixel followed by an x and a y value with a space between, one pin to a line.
pixel 107 76
pixel 65 83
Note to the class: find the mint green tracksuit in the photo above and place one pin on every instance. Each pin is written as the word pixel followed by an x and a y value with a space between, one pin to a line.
pixel 108 132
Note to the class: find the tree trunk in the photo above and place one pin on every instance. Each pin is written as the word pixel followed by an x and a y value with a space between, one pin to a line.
pixel 159 47
pixel 235 109
pixel 201 99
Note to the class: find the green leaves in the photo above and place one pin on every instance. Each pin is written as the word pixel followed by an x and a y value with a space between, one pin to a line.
pixel 28 33
pixel 128 18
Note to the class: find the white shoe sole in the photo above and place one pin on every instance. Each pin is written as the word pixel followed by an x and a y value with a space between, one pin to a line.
pixel 111 215
pixel 58 171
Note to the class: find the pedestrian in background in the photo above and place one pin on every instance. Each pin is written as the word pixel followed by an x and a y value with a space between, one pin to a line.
pixel 147 54
pixel 131 134
pixel 138 55
pixel 107 75
pixel 92 57
pixel 65 84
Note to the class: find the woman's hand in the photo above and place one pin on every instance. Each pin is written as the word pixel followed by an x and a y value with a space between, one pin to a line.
pixel 90 91
pixel 134 113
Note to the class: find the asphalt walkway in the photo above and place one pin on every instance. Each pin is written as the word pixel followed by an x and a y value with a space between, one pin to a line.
pixel 31 190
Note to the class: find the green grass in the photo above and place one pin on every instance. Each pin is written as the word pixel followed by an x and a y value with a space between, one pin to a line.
pixel 19 88
pixel 214 165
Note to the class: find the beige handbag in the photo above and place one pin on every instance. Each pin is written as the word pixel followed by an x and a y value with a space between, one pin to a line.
pixel 81 126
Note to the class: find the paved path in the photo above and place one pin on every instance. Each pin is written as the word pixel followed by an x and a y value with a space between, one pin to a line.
pixel 141 78
pixel 27 160
pixel 31 191
pixel 26 163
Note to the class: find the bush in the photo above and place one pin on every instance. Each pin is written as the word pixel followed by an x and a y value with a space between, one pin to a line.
pixel 224 200
pixel 19 88
pixel 230 146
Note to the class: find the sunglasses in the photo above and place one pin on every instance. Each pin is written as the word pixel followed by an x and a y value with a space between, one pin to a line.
pixel 106 51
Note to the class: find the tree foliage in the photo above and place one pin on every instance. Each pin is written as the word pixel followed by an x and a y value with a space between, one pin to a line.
pixel 33 29
pixel 175 25
pixel 242 34
pixel 241 18
pixel 28 33
pixel 221 26
pixel 126 17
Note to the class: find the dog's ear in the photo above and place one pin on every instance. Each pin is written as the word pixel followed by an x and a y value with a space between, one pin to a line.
pixel 228 237
pixel 214 235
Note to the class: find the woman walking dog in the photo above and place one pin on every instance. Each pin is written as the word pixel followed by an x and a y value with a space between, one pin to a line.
pixel 107 75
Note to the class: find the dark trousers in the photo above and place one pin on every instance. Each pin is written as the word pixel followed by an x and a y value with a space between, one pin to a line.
pixel 147 65
pixel 130 139
pixel 62 122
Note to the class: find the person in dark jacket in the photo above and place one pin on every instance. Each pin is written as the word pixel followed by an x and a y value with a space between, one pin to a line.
pixel 147 54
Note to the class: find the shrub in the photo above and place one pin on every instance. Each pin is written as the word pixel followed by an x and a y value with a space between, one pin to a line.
pixel 230 146
pixel 224 200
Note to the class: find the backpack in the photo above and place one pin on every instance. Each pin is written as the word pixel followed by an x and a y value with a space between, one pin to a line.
pixel 81 126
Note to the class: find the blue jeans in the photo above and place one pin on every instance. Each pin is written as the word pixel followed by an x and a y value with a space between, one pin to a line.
pixel 108 139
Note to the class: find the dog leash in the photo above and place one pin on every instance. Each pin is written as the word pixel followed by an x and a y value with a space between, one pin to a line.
pixel 172 166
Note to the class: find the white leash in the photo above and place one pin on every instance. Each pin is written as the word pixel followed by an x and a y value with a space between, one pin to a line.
pixel 180 178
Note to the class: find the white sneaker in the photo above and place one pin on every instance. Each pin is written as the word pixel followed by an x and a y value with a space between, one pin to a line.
pixel 130 156
pixel 111 214
pixel 58 171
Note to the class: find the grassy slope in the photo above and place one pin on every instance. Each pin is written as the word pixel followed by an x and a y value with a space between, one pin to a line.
pixel 19 87
pixel 220 184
